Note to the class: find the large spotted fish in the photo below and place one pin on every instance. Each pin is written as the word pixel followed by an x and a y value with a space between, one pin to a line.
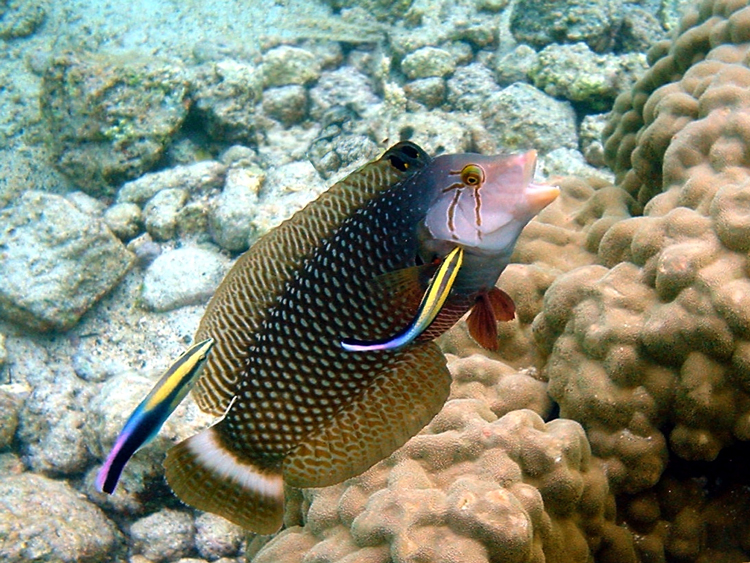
pixel 323 362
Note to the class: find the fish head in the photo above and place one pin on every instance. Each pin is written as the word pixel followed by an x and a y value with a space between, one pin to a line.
pixel 483 202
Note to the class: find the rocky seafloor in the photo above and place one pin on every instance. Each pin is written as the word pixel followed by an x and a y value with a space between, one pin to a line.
pixel 144 146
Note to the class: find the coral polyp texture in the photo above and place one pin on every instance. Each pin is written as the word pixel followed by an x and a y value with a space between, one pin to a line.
pixel 702 72
pixel 471 487
pixel 564 236
pixel 649 345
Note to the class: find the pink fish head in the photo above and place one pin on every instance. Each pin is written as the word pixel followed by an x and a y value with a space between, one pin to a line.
pixel 485 201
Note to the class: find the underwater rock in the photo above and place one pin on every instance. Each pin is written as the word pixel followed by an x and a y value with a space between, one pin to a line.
pixel 3 351
pixel 230 210
pixel 50 422
pixel 408 40
pixel 436 131
pixel 570 162
pixel 285 190
pixel 522 117
pixel 428 62
pixel 470 87
pixel 10 405
pixel 542 22
pixel 285 65
pixel 640 30
pixel 57 262
pixel 125 220
pixel 333 151
pixel 287 104
pixel 162 213
pixel 576 73
pixel 430 92
pixel 174 200
pixel 86 203
pixel 110 118
pixel 198 178
pixel 345 87
pixel 46 520
pixel 185 276
pixel 21 18
pixel 163 536
pixel 145 249
pixel 590 133
pixel 225 94
pixel 216 537
pixel 515 65
pixel 386 10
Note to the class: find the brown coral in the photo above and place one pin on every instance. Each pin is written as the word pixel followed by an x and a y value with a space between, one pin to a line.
pixel 470 487
pixel 695 513
pixel 648 349
pixel 670 96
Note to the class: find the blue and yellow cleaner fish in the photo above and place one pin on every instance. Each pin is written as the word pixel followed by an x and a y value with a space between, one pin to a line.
pixel 148 417
pixel 323 362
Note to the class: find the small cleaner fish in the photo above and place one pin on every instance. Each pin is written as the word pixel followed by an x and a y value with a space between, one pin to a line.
pixel 324 361
pixel 149 416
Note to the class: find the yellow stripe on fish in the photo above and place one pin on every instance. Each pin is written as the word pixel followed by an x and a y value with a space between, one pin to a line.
pixel 149 416
pixel 429 308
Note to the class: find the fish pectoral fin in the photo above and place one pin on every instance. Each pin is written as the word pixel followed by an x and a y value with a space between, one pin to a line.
pixel 432 302
pixel 406 282
pixel 491 306
pixel 399 402
pixel 203 473
pixel 502 304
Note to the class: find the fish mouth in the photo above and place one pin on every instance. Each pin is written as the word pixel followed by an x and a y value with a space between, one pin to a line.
pixel 539 196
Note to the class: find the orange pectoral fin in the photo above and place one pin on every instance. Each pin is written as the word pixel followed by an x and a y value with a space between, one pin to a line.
pixel 502 304
pixel 490 307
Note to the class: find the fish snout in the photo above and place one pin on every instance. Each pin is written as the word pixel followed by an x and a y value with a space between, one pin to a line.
pixel 539 196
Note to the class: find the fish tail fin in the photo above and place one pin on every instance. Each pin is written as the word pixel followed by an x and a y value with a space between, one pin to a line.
pixel 205 474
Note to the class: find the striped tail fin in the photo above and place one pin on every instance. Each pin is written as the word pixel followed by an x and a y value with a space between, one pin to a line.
pixel 204 474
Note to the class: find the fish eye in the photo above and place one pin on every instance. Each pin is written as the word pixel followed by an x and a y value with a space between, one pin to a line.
pixel 472 175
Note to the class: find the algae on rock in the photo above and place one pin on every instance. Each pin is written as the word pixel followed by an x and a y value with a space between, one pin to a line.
pixel 111 117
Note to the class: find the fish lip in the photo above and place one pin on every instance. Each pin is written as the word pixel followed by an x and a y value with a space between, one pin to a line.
pixel 539 196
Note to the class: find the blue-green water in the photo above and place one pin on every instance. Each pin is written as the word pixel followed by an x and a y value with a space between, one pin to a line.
pixel 144 146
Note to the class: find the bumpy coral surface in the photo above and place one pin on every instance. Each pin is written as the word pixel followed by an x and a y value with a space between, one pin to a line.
pixel 648 347
pixel 564 236
pixel 697 512
pixel 470 487
pixel 703 70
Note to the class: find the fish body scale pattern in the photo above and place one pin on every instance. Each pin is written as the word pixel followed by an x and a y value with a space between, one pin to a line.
pixel 244 299
pixel 297 375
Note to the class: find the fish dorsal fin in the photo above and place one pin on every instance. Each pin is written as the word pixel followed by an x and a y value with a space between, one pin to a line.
pixel 259 276
pixel 398 404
